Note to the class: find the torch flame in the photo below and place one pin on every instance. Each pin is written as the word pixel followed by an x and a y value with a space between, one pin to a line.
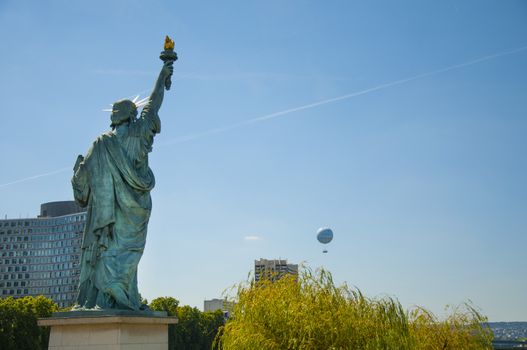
pixel 169 44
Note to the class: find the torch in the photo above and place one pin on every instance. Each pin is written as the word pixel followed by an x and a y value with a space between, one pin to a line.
pixel 168 55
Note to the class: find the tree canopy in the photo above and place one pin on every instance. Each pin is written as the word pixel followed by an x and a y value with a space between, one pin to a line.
pixel 18 323
pixel 195 330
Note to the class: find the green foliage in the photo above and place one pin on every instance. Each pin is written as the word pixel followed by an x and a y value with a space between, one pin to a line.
pixel 212 322
pixel 167 304
pixel 188 332
pixel 195 330
pixel 312 313
pixel 18 323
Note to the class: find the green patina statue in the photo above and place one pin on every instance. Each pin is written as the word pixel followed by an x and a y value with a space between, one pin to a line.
pixel 113 182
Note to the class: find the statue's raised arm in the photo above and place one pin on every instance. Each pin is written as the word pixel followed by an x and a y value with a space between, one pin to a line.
pixel 168 56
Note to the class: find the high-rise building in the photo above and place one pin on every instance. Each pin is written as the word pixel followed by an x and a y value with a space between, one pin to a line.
pixel 273 269
pixel 40 256
pixel 218 304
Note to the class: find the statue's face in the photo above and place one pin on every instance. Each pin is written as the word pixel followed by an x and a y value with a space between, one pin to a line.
pixel 130 110
pixel 133 113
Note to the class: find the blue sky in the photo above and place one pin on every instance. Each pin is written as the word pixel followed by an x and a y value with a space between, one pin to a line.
pixel 423 182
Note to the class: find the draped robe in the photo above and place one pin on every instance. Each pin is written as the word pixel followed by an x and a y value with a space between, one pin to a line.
pixel 114 183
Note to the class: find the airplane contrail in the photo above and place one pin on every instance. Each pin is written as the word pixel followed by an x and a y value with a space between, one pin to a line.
pixel 300 108
pixel 338 98
pixel 36 176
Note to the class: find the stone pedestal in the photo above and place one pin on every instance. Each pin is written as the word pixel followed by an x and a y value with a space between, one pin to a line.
pixel 108 332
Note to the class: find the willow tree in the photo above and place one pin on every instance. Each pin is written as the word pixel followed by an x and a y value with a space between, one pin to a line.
pixel 311 312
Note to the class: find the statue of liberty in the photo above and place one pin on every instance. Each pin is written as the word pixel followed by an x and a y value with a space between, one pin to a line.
pixel 114 182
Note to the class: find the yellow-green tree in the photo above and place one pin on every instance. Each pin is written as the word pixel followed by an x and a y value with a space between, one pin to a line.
pixel 312 313
pixel 18 323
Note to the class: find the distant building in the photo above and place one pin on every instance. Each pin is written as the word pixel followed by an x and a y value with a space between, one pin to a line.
pixel 273 269
pixel 218 304
pixel 40 256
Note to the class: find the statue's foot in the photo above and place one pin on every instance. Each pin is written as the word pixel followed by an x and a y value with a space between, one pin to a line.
pixel 77 307
pixel 144 307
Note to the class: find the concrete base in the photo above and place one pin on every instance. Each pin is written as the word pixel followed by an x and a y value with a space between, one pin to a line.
pixel 108 332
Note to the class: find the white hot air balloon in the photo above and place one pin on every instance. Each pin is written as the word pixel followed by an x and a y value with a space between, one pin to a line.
pixel 324 236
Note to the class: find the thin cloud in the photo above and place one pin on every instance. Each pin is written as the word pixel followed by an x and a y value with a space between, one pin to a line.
pixel 122 72
pixel 252 238
pixel 253 76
